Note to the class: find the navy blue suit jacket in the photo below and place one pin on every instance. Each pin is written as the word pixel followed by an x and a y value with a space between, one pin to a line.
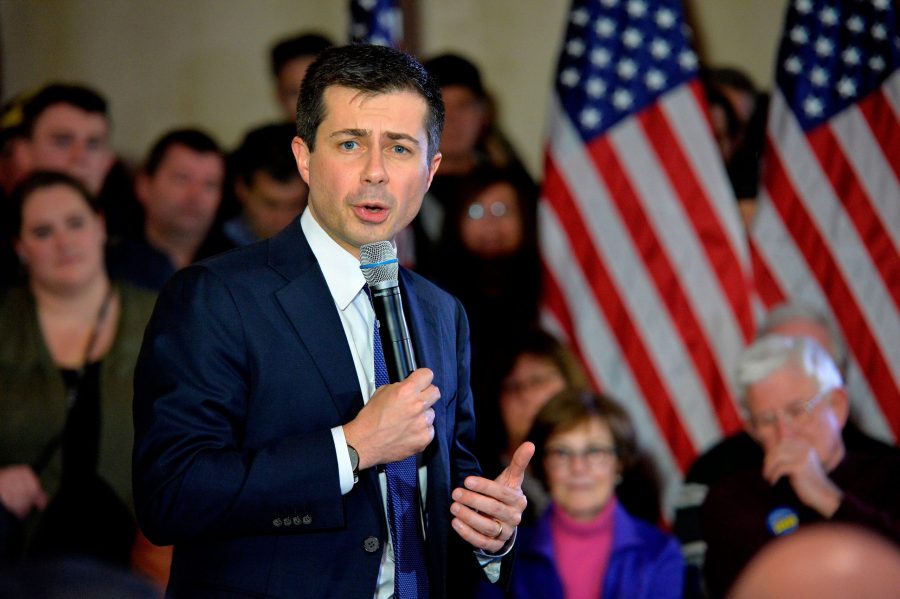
pixel 244 370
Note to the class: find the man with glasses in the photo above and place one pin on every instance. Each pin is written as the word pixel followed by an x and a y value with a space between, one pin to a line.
pixel 796 407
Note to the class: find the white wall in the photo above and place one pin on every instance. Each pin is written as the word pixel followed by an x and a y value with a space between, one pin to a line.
pixel 168 63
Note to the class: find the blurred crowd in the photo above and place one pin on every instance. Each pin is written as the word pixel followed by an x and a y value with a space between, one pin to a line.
pixel 89 240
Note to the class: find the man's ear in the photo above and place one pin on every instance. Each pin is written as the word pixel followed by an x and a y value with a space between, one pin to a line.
pixel 433 167
pixel 301 155
pixel 840 403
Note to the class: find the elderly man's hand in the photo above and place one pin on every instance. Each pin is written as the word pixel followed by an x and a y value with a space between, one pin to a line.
pixel 797 460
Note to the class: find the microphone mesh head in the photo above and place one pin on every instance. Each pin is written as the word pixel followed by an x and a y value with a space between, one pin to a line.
pixel 378 263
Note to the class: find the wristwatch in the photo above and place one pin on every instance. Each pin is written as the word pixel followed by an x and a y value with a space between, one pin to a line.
pixel 354 463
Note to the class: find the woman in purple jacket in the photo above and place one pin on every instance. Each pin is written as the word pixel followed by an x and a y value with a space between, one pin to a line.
pixel 586 545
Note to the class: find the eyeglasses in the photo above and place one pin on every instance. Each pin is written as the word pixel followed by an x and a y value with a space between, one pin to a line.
pixel 795 414
pixel 595 456
pixel 477 211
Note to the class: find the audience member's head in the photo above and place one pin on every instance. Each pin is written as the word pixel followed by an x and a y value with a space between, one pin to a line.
pixel 68 130
pixel 823 561
pixel 583 442
pixel 15 158
pixel 799 319
pixel 541 367
pixel 59 233
pixel 495 218
pixel 180 188
pixel 266 180
pixel 737 86
pixel 290 59
pixel 466 102
pixel 793 390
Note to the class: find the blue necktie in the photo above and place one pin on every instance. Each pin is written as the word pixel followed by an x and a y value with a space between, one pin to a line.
pixel 410 573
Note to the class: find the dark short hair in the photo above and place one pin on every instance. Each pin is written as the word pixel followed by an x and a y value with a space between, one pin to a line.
pixel 730 77
pixel 75 95
pixel 266 149
pixel 298 46
pixel 41 180
pixel 371 70
pixel 453 69
pixel 194 139
pixel 572 407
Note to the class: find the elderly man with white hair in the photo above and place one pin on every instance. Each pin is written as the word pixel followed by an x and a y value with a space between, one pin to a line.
pixel 796 407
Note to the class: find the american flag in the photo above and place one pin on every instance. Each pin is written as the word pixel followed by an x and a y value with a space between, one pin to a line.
pixel 376 22
pixel 647 268
pixel 827 229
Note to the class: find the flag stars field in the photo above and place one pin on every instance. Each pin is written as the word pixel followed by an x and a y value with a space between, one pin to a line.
pixel 665 18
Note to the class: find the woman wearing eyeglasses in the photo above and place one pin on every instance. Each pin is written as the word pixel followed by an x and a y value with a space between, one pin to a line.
pixel 586 545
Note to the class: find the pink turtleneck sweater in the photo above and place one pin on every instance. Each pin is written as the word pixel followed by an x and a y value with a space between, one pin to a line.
pixel 582 551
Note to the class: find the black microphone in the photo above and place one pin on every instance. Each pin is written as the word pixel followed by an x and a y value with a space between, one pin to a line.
pixel 783 518
pixel 378 263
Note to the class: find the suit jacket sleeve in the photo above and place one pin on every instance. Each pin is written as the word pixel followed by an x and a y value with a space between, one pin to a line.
pixel 196 472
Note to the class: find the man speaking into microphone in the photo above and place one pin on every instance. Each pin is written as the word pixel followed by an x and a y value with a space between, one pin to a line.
pixel 272 447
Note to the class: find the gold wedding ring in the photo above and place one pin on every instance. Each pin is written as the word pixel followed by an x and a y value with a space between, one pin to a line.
pixel 499 531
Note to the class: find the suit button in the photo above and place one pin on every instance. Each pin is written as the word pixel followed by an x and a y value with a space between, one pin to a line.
pixel 296 519
pixel 371 544
pixel 276 522
pixel 307 519
pixel 286 521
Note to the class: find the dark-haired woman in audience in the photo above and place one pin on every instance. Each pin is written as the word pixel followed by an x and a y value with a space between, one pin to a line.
pixel 490 262
pixel 586 545
pixel 539 366
pixel 69 339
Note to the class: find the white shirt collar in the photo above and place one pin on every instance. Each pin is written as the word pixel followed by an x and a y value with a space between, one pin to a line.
pixel 340 267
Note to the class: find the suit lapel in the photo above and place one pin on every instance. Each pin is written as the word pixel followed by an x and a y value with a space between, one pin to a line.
pixel 309 306
pixel 425 331
pixel 424 328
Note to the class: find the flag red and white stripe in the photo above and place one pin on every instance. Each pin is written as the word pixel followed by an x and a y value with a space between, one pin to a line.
pixel 827 230
pixel 646 263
